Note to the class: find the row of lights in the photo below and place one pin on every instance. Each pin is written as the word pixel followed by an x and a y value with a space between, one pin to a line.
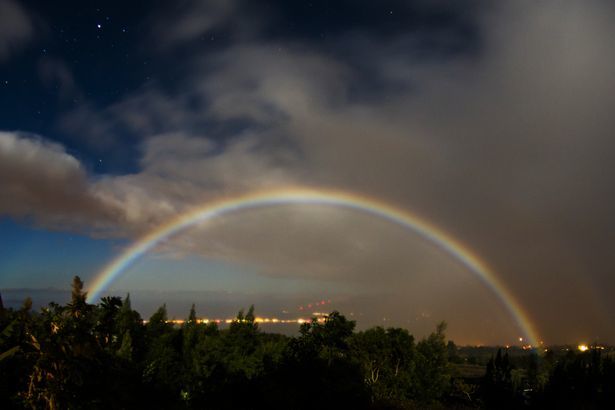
pixel 319 318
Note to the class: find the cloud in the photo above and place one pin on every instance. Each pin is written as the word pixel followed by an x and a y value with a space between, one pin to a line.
pixel 42 182
pixel 147 112
pixel 179 172
pixel 92 127
pixel 56 74
pixel 190 19
pixel 507 150
pixel 16 28
pixel 506 146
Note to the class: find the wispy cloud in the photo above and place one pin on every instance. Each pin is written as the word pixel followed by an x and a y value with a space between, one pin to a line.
pixel 16 28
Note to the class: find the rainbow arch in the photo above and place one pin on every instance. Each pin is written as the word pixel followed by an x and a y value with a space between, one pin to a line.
pixel 278 197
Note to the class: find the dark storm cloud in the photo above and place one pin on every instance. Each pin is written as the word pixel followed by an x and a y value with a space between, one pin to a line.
pixel 502 136
pixel 16 28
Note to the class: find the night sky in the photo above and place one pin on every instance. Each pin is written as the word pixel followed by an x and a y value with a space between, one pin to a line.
pixel 491 120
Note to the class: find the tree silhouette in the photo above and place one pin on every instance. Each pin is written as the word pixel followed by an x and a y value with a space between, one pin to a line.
pixel 104 356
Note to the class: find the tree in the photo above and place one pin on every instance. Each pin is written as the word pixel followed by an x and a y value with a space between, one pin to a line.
pixel 387 358
pixel 65 355
pixel 162 365
pixel 2 310
pixel 432 366
pixel 106 324
pixel 77 306
pixel 320 357
pixel 128 321
pixel 125 351
pixel 497 383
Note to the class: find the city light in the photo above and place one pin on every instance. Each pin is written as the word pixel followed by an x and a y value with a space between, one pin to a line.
pixel 318 317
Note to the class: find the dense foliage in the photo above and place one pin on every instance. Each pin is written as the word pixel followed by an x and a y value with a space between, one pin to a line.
pixel 105 356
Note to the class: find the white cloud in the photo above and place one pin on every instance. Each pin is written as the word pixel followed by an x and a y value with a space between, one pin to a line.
pixel 41 181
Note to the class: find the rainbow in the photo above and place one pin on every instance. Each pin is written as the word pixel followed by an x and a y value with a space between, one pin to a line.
pixel 352 201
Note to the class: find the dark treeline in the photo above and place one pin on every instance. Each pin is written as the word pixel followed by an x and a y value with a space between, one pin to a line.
pixel 104 356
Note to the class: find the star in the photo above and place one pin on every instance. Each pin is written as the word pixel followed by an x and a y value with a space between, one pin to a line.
pixel 99 26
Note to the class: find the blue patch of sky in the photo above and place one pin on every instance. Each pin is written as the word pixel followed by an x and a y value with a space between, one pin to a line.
pixel 37 258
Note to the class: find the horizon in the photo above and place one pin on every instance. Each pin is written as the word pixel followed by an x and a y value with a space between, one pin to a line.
pixel 223 309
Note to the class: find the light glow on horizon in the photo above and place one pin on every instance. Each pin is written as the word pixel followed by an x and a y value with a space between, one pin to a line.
pixel 320 318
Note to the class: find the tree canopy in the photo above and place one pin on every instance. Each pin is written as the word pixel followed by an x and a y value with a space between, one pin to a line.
pixel 105 356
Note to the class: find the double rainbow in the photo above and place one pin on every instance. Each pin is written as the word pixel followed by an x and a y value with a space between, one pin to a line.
pixel 371 206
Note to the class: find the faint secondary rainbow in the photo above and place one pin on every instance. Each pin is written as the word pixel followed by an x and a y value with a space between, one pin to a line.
pixel 371 206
